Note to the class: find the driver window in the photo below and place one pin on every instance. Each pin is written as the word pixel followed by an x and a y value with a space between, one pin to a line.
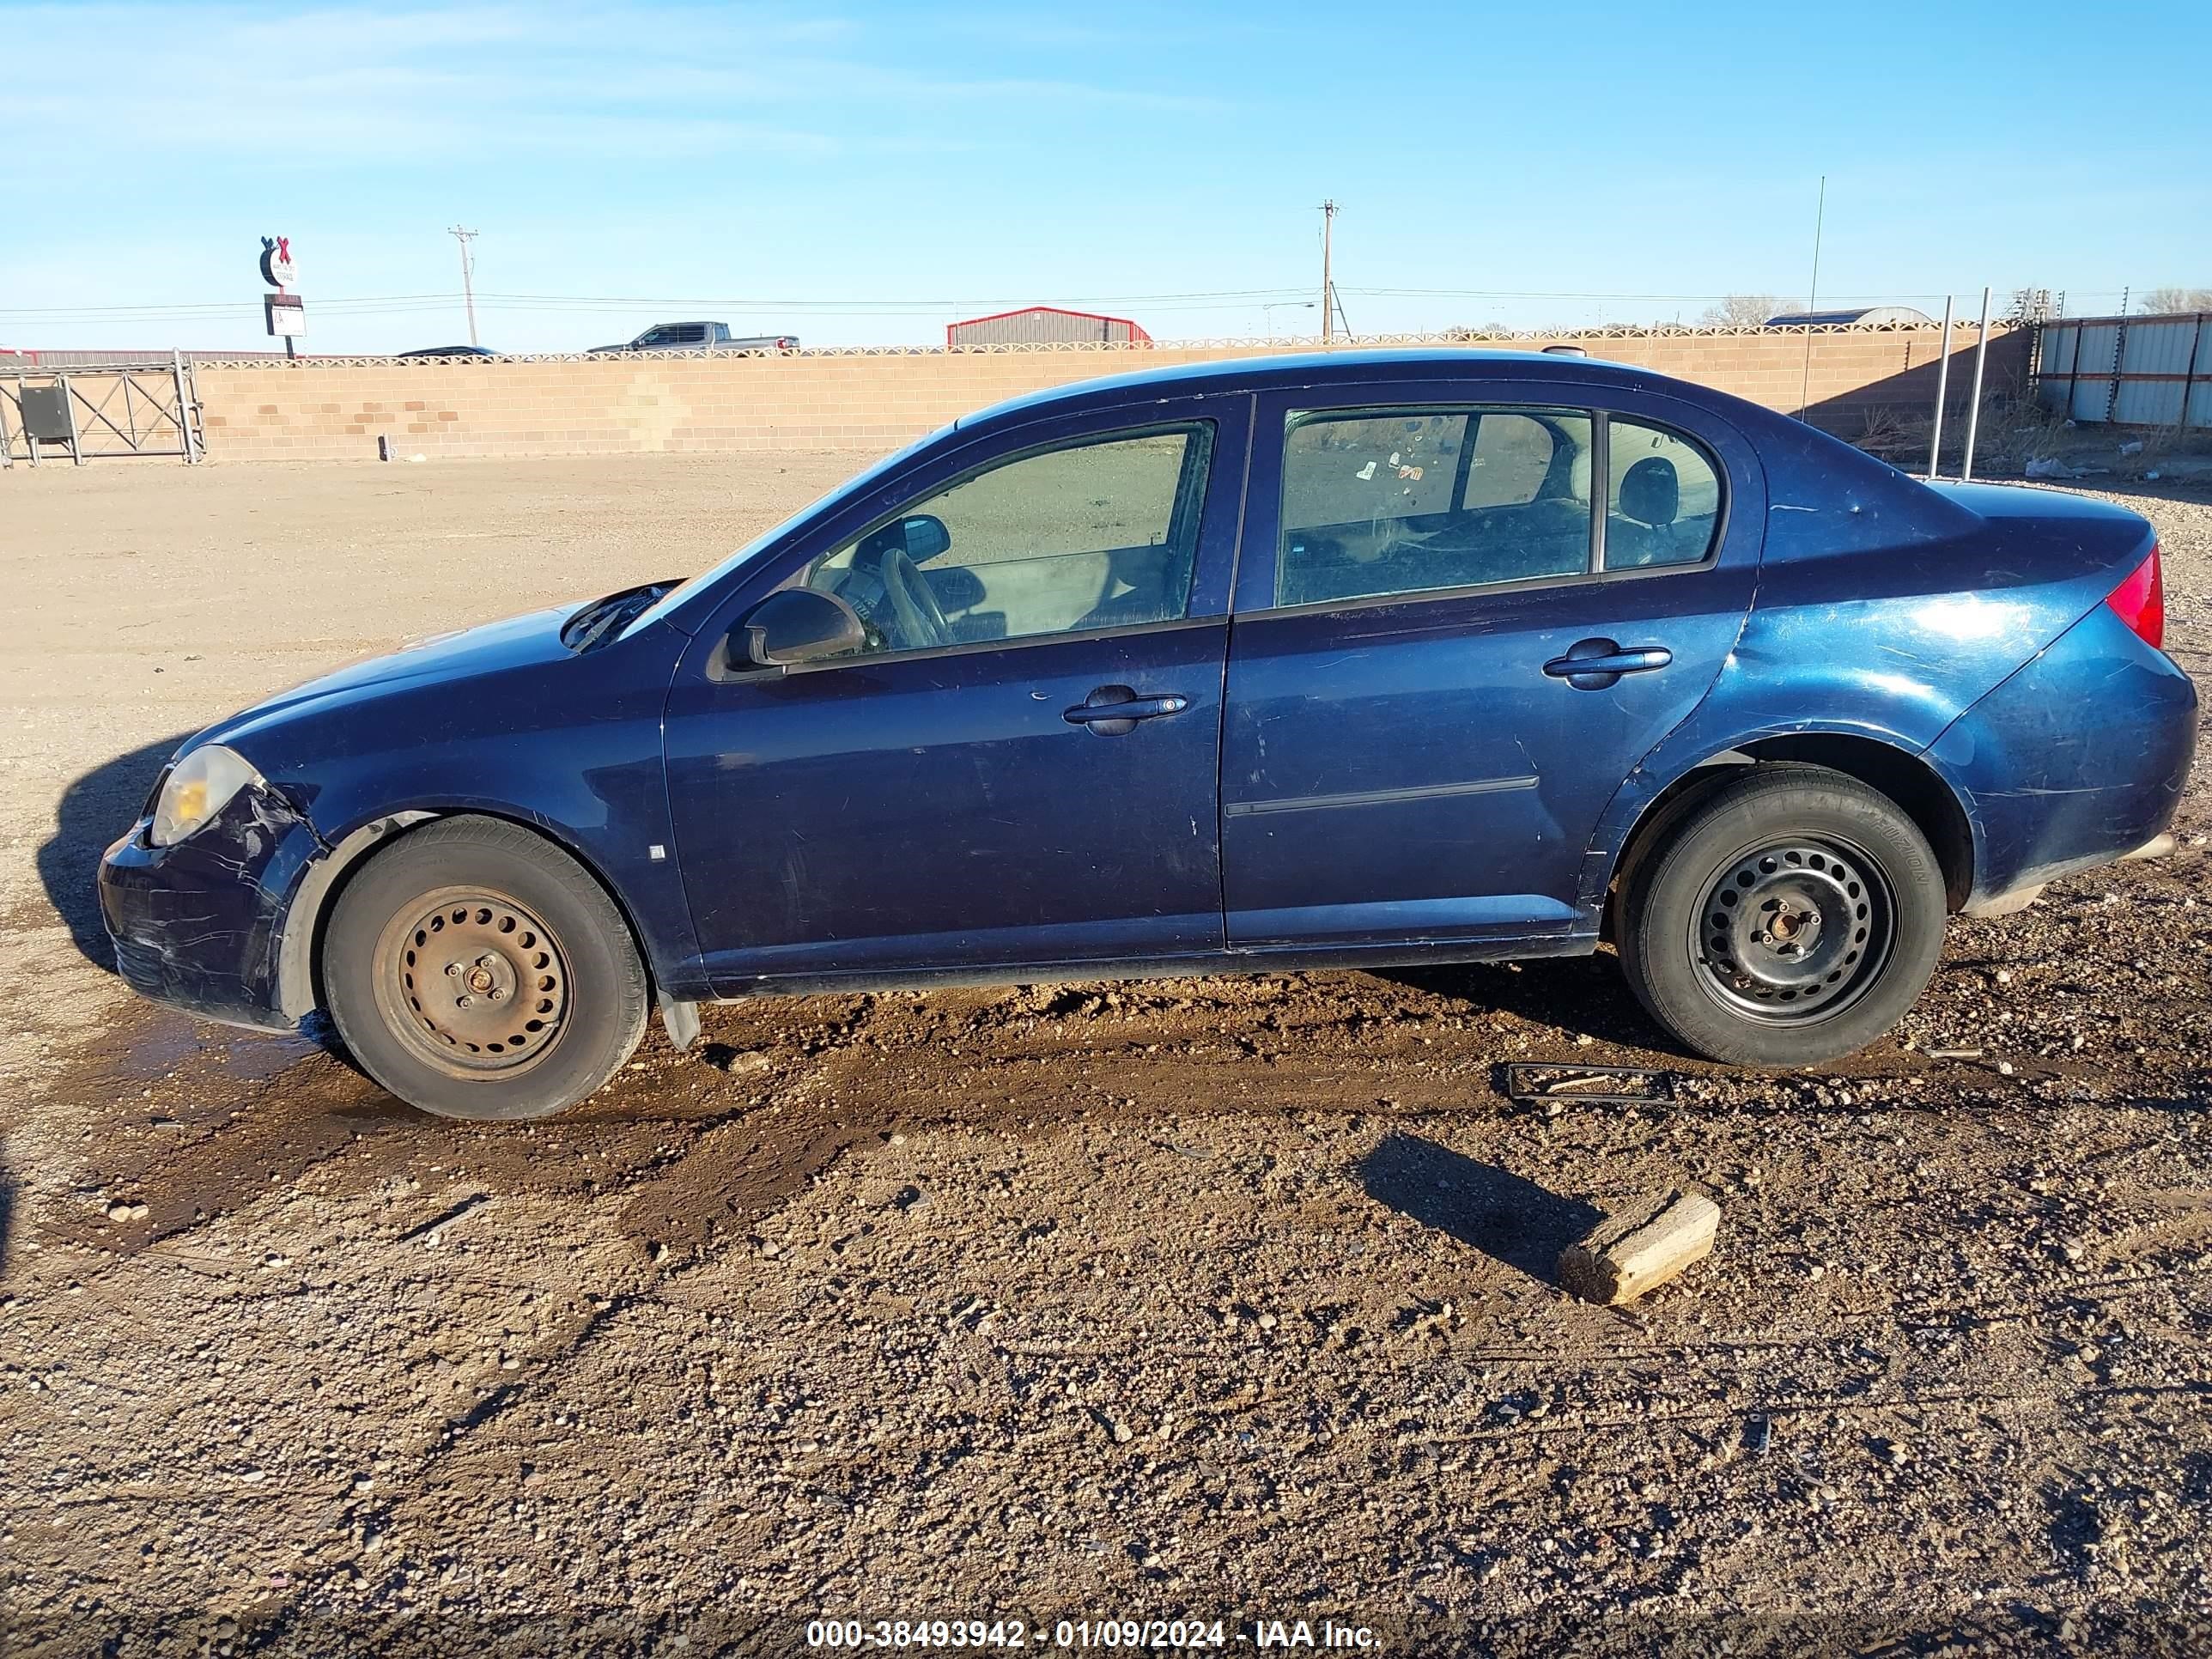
pixel 1101 533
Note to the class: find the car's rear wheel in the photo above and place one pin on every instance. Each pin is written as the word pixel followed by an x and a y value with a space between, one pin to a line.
pixel 1790 918
pixel 476 971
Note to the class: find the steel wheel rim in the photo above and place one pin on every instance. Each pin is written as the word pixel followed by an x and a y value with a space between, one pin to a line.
pixel 1794 929
pixel 472 983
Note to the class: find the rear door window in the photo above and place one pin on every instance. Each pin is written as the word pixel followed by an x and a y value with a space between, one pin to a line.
pixel 1382 502
pixel 1663 497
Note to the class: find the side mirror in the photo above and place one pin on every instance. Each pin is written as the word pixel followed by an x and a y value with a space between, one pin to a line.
pixel 926 536
pixel 797 625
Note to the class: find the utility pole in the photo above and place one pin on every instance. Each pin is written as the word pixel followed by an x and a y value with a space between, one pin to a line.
pixel 1327 288
pixel 468 273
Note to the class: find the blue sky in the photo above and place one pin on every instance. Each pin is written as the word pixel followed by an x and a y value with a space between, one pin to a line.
pixel 863 173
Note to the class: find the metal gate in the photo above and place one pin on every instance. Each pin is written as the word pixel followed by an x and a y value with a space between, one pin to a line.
pixel 138 408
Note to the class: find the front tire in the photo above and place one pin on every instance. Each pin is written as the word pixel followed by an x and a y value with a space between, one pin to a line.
pixel 1790 919
pixel 476 971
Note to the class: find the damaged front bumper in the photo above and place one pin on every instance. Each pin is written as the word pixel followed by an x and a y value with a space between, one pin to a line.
pixel 200 925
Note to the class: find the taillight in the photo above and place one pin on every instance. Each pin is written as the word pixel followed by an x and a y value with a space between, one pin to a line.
pixel 2140 601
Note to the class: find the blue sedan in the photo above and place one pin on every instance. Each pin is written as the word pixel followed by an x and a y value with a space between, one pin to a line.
pixel 1345 661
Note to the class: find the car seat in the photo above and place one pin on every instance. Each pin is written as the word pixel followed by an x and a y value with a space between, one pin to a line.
pixel 1651 500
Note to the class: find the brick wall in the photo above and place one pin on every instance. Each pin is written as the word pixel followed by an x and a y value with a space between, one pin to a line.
pixel 336 411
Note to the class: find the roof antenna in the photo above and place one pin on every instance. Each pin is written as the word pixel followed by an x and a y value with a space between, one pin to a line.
pixel 1812 300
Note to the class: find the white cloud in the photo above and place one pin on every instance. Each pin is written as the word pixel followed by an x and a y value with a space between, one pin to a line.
pixel 364 86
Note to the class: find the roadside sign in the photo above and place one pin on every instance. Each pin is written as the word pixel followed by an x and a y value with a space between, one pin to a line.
pixel 284 311
pixel 276 268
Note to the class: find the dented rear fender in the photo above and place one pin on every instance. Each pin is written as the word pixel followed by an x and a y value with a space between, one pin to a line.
pixel 2074 761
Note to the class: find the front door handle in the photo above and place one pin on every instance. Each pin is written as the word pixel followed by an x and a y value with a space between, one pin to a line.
pixel 1594 665
pixel 1111 711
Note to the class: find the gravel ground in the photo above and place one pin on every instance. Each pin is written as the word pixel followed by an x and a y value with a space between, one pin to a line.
pixel 1224 1299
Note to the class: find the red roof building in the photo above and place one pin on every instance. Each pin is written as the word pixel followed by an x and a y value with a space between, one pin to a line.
pixel 1043 325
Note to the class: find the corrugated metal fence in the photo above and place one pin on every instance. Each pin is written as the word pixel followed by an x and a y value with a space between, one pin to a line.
pixel 2131 371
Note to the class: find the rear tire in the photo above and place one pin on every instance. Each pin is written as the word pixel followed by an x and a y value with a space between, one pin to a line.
pixel 1790 918
pixel 476 971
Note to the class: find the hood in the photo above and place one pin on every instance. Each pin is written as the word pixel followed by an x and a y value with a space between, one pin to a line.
pixel 514 642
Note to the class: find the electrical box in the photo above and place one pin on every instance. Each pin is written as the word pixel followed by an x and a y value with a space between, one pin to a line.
pixel 46 414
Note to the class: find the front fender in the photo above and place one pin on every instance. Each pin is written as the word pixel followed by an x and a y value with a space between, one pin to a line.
pixel 575 758
pixel 634 860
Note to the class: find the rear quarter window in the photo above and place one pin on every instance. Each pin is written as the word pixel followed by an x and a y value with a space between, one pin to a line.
pixel 1662 497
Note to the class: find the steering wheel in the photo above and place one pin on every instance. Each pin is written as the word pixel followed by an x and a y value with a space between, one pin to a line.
pixel 921 618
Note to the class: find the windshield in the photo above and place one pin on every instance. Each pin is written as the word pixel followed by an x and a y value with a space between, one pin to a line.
pixel 752 550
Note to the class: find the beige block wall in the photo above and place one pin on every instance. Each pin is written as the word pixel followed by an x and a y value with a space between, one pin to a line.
pixel 336 411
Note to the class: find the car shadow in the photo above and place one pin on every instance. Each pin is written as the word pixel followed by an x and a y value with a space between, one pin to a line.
pixel 96 808
pixel 1504 1215
pixel 7 1217
pixel 1585 995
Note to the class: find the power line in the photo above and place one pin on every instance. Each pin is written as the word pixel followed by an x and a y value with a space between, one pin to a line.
pixel 1210 300
pixel 396 304
pixel 1196 299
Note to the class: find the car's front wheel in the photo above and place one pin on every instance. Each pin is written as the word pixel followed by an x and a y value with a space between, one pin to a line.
pixel 1790 919
pixel 476 971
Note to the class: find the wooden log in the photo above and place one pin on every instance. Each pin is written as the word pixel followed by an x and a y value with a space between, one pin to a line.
pixel 1635 1249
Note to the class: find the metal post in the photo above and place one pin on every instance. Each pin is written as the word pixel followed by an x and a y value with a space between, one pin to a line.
pixel 199 432
pixel 8 444
pixel 183 410
pixel 2119 357
pixel 68 408
pixel 1974 408
pixel 2189 375
pixel 1943 391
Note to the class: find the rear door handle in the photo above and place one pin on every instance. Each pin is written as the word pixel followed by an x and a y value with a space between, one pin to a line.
pixel 1137 708
pixel 1594 665
pixel 1113 710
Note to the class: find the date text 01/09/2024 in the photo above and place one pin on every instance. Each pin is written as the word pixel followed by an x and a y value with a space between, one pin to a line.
pixel 1166 1634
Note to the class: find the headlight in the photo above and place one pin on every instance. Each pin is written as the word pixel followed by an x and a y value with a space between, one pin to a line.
pixel 199 786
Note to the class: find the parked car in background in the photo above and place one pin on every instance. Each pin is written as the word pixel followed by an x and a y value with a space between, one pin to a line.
pixel 703 337
pixel 1343 661
pixel 451 351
